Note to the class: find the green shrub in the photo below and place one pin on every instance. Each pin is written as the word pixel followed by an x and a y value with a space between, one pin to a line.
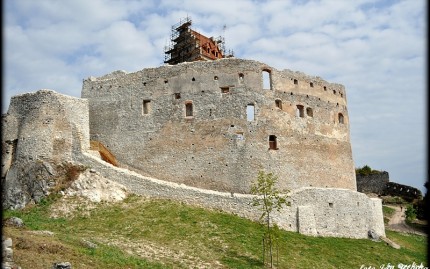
pixel 411 213
pixel 366 170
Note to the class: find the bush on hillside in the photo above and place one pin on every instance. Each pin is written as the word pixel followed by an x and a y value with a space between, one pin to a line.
pixel 411 213
pixel 366 170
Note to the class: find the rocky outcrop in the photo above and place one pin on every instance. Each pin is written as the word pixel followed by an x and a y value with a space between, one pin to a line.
pixel 32 181
pixel 28 184
pixel 96 188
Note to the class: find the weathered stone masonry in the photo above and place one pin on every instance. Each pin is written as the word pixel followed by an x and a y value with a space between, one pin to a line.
pixel 149 131
pixel 190 124
pixel 39 131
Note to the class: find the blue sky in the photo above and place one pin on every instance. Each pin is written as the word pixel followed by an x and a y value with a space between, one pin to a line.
pixel 377 49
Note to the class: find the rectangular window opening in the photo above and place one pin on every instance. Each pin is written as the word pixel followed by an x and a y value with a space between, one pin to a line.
pixel 146 107
pixel 250 112
pixel 225 89
pixel 300 111
pixel 272 142
pixel 189 109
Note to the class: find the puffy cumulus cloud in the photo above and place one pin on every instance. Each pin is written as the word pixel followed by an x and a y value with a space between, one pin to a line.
pixel 54 44
pixel 89 14
pixel 122 46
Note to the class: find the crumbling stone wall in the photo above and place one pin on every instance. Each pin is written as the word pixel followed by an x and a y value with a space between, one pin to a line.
pixel 313 211
pixel 189 123
pixel 380 184
pixel 40 131
pixel 404 191
pixel 373 183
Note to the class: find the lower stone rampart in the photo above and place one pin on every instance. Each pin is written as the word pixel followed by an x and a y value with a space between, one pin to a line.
pixel 313 211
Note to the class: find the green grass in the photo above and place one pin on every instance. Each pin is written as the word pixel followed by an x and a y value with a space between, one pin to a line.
pixel 206 237
pixel 388 213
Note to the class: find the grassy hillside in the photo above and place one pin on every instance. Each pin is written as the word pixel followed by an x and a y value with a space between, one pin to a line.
pixel 144 233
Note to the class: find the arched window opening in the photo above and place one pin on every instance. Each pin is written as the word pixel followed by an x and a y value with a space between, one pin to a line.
pixel 250 112
pixel 189 109
pixel 311 84
pixel 267 83
pixel 300 111
pixel 309 112
pixel 273 142
pixel 341 118
pixel 278 103
pixel 296 82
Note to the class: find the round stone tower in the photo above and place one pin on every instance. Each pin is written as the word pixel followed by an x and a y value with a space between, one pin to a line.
pixel 215 124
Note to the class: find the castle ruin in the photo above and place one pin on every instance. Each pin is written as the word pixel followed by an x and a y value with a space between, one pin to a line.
pixel 199 132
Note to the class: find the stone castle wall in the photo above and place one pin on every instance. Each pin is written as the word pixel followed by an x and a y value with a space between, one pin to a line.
pixel 142 119
pixel 407 192
pixel 379 183
pixel 39 130
pixel 313 211
pixel 373 183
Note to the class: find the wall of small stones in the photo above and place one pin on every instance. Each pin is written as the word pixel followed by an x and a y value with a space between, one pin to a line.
pixel 327 211
pixel 373 183
pixel 141 117
pixel 407 192
pixel 379 183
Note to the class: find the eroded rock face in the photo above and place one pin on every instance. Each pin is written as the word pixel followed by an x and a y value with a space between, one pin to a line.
pixel 96 188
pixel 25 184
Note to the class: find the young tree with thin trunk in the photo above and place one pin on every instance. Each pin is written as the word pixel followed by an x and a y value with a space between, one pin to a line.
pixel 268 198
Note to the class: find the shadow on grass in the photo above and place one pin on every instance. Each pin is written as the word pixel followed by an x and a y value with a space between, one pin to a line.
pixel 235 260
pixel 417 226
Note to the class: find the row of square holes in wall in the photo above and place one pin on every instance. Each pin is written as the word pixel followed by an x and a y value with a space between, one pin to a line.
pixel 266 81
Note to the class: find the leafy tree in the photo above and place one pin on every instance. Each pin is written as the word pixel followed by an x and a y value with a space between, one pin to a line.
pixel 268 198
